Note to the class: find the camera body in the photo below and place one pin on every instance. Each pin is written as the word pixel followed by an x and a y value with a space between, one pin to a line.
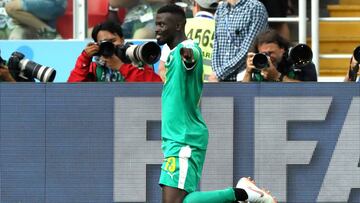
pixel 146 53
pixel 300 56
pixel 106 48
pixel 25 70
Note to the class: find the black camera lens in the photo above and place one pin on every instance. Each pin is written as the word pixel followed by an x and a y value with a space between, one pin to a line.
pixel 260 61
pixel 301 55
pixel 148 53
pixel 31 69
pixel 106 49
pixel 356 54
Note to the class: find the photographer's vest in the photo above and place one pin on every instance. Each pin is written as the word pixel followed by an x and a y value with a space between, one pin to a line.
pixel 104 74
pixel 202 29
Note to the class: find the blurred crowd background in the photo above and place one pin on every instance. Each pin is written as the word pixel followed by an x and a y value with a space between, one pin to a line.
pixel 53 19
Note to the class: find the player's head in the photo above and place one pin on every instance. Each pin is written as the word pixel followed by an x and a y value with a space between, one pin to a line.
pixel 170 23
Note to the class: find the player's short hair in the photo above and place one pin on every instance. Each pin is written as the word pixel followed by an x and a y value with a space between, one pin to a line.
pixel 173 9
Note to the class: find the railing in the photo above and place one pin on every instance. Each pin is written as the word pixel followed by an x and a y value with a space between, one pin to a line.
pixel 80 19
pixel 301 20
pixel 337 19
pixel 315 19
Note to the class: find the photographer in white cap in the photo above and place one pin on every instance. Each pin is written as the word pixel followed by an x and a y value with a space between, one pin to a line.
pixel 201 29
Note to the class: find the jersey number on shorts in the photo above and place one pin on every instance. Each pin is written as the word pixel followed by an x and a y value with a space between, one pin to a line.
pixel 170 164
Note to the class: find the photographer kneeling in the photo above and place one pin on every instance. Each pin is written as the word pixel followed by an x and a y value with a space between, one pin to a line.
pixel 272 61
pixel 108 67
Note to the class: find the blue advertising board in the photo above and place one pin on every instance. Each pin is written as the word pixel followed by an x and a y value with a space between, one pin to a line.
pixel 91 142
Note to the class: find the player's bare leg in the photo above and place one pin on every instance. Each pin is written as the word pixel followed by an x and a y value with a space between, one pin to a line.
pixel 172 195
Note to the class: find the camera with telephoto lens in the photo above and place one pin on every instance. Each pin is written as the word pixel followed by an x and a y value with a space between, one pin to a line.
pixel 25 70
pixel 300 56
pixel 260 61
pixel 354 70
pixel 148 52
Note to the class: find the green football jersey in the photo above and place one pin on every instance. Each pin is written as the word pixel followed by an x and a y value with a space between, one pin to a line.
pixel 182 121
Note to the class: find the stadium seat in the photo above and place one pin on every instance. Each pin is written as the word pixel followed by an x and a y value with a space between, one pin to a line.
pixel 64 23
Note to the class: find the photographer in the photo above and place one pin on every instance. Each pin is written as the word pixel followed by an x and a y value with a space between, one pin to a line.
pixel 112 68
pixel 353 71
pixel 279 68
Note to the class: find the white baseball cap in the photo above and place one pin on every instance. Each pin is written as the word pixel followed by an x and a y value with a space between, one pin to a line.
pixel 208 4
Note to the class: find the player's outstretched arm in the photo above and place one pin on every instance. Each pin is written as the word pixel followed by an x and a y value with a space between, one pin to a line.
pixel 187 56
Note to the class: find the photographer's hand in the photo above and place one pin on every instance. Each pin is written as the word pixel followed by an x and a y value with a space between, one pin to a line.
pixel 249 62
pixel 271 73
pixel 5 74
pixel 113 62
pixel 91 49
pixel 249 67
pixel 213 77
pixel 188 57
pixel 354 72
